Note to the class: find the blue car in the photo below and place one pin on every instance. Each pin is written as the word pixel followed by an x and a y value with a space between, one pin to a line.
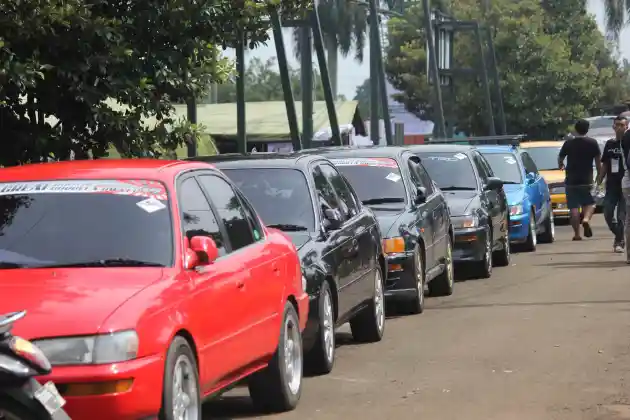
pixel 531 217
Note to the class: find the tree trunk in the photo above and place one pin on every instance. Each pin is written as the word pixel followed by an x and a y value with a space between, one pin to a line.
pixel 332 60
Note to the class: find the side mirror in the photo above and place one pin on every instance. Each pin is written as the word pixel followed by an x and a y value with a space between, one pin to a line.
pixel 421 195
pixel 493 184
pixel 203 250
pixel 333 219
pixel 531 177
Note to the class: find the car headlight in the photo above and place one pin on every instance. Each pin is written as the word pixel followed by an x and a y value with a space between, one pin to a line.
pixel 465 222
pixel 90 350
pixel 516 209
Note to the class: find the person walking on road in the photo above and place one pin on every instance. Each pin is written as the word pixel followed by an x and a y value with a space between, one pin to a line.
pixel 613 168
pixel 625 182
pixel 580 152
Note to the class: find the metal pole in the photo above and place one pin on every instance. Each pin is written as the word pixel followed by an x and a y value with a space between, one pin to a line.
pixel 374 76
pixel 399 134
pixel 191 110
pixel 323 70
pixel 241 122
pixel 433 71
pixel 496 82
pixel 306 71
pixel 283 66
pixel 380 72
pixel 484 82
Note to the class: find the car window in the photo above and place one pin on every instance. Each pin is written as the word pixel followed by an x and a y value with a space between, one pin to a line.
pixel 198 219
pixel 67 222
pixel 427 182
pixel 251 215
pixel 544 158
pixel 449 170
pixel 230 211
pixel 281 196
pixel 528 162
pixel 347 199
pixel 483 173
pixel 505 166
pixel 325 193
pixel 376 181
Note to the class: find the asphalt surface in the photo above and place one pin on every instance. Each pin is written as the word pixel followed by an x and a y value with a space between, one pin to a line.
pixel 546 338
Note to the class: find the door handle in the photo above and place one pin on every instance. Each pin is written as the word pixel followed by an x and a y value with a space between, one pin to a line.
pixel 240 285
pixel 275 269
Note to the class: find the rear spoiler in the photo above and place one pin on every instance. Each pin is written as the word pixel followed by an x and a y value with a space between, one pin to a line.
pixel 507 140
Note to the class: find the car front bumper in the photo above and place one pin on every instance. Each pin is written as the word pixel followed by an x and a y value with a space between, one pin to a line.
pixel 87 389
pixel 559 206
pixel 401 281
pixel 519 227
pixel 470 245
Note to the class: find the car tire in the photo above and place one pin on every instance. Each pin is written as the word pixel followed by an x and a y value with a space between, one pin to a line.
pixel 10 409
pixel 549 235
pixel 532 238
pixel 321 358
pixel 416 305
pixel 443 284
pixel 278 387
pixel 368 325
pixel 502 258
pixel 181 392
pixel 484 267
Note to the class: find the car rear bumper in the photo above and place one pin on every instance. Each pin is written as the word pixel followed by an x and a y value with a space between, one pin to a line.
pixel 469 245
pixel 91 391
pixel 401 281
pixel 519 227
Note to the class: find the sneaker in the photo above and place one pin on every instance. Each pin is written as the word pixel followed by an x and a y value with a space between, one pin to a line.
pixel 618 249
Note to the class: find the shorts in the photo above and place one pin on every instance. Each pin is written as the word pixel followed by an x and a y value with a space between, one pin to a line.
pixel 579 196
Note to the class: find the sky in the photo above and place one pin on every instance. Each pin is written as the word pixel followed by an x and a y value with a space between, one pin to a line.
pixel 353 74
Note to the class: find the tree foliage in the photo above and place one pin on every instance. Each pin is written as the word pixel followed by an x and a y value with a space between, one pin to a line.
pixel 554 65
pixel 263 83
pixel 77 75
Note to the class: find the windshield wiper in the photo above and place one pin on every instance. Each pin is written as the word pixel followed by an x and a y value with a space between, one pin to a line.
pixel 7 264
pixel 109 262
pixel 454 188
pixel 288 227
pixel 383 200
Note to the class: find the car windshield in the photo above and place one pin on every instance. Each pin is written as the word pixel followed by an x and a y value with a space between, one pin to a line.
pixel 375 180
pixel 280 196
pixel 85 223
pixel 545 158
pixel 603 122
pixel 505 166
pixel 449 170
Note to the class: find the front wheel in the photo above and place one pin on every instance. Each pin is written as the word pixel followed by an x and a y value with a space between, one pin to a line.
pixel 368 326
pixel 532 238
pixel 502 257
pixel 181 398
pixel 278 387
pixel 416 304
pixel 321 357
pixel 484 267
pixel 443 284
pixel 549 235
pixel 12 410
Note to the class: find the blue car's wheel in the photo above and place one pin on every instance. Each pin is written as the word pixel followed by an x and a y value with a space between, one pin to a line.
pixel 549 235
pixel 532 239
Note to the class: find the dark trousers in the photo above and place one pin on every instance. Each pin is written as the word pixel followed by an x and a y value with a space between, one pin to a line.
pixel 615 200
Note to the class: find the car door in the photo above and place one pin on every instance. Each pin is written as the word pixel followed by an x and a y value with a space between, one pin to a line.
pixel 264 286
pixel 218 307
pixel 344 248
pixel 425 213
pixel 536 188
pixel 492 197
pixel 440 214
pixel 360 224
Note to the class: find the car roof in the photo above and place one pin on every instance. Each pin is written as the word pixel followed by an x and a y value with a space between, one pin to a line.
pixel 496 149
pixel 149 169
pixel 437 148
pixel 544 143
pixel 258 160
pixel 357 151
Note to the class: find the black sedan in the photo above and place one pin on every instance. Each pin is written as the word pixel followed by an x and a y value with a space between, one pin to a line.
pixel 478 204
pixel 338 241
pixel 412 214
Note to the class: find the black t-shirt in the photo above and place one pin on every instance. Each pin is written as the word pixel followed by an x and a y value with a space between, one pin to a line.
pixel 580 153
pixel 613 157
pixel 625 145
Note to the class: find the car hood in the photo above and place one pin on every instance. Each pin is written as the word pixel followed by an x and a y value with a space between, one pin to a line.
pixel 459 202
pixel 515 193
pixel 553 176
pixel 69 301
pixel 387 221
pixel 299 239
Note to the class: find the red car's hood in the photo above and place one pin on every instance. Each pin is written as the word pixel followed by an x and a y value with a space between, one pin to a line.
pixel 69 301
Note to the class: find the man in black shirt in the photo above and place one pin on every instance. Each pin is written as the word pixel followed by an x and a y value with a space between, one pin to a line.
pixel 580 152
pixel 613 167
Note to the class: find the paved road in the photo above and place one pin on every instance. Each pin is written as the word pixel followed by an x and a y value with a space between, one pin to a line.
pixel 547 338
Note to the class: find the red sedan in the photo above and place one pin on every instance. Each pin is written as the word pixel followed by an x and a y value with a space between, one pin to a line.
pixel 150 285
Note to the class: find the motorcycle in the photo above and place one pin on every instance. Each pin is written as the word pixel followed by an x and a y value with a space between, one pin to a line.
pixel 22 397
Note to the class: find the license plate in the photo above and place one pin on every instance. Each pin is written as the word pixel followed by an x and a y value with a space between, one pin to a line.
pixel 50 398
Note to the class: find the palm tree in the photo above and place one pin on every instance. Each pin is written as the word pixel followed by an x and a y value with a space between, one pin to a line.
pixel 617 12
pixel 344 26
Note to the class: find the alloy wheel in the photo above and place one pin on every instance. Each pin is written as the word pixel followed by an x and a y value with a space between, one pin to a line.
pixel 449 265
pixel 420 277
pixel 379 301
pixel 292 355
pixel 532 230
pixel 328 327
pixel 185 392
pixel 552 227
pixel 488 256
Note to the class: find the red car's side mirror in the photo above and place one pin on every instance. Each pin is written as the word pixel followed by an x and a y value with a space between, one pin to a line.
pixel 205 246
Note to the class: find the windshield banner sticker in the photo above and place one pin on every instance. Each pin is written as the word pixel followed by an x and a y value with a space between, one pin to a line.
pixel 376 162
pixel 151 205
pixel 137 188
pixel 459 156
pixel 441 158
pixel 509 160
pixel 393 177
